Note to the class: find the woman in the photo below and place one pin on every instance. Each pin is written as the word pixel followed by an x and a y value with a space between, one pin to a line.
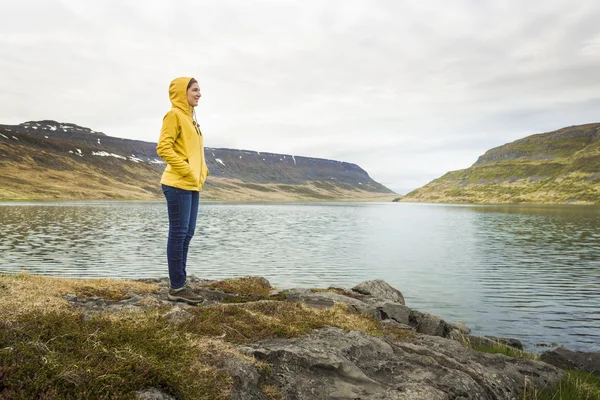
pixel 181 146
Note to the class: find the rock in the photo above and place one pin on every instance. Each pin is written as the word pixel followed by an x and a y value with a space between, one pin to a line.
pixel 510 342
pixel 149 302
pixel 429 324
pixel 492 341
pixel 457 335
pixel 196 280
pixel 246 379
pixel 263 281
pixel 377 308
pixel 577 360
pixel 331 363
pixel 460 326
pixel 132 299
pixel 70 297
pixel 321 299
pixel 177 315
pixel 379 289
pixel 152 394
pixel 218 296
pixel 383 310
pixel 459 331
pixel 393 323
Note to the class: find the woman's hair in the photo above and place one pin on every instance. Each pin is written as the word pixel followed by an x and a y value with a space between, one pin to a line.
pixel 192 81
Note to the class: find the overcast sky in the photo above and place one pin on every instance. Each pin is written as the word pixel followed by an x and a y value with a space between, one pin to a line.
pixel 408 90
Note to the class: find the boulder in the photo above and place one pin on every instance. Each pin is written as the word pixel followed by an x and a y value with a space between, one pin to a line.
pixel 320 299
pixel 379 309
pixel 383 310
pixel 246 379
pixel 577 360
pixel 331 363
pixel 152 394
pixel 461 327
pixel 176 315
pixel 379 289
pixel 493 341
pixel 429 324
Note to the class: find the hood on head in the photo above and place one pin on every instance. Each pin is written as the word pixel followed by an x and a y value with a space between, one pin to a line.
pixel 178 94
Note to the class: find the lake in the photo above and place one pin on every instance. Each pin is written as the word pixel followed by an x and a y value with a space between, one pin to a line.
pixel 528 272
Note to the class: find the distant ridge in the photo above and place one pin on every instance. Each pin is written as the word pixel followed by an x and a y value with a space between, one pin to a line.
pixel 56 160
pixel 557 167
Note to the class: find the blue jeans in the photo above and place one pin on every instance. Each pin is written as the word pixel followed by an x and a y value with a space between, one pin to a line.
pixel 183 212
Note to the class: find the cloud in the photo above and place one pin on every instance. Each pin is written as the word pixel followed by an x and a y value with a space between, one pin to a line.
pixel 407 90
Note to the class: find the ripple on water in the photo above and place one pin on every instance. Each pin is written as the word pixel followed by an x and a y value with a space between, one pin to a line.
pixel 519 271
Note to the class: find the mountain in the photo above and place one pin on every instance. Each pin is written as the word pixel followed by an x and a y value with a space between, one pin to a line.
pixel 556 167
pixel 52 160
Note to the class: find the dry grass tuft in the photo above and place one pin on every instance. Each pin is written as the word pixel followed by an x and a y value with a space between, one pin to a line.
pixel 272 392
pixel 250 322
pixel 23 293
pixel 250 285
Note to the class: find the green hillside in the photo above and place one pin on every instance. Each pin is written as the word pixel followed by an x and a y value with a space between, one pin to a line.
pixel 556 167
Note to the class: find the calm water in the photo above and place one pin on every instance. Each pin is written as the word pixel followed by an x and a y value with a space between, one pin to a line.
pixel 528 272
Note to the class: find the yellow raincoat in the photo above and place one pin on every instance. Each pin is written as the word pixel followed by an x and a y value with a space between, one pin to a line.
pixel 181 144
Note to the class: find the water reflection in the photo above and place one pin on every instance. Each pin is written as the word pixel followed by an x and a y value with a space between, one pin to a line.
pixel 531 272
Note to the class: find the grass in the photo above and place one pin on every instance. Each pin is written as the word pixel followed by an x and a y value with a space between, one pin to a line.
pixel 552 168
pixel 578 385
pixel 506 350
pixel 50 350
pixel 244 286
pixel 305 191
pixel 24 294
pixel 510 186
pixel 58 355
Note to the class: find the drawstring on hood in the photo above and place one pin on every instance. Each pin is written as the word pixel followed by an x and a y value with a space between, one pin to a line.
pixel 196 124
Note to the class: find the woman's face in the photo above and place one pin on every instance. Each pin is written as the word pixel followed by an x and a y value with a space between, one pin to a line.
pixel 193 94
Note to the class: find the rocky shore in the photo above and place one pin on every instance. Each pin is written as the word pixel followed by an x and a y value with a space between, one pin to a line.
pixel 336 343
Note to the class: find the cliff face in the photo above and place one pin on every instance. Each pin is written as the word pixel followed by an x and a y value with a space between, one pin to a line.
pixel 562 166
pixel 47 159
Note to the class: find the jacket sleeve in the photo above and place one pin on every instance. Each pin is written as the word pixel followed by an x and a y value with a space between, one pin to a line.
pixel 164 147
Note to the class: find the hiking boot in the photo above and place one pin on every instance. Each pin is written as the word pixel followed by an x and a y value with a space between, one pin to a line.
pixel 185 294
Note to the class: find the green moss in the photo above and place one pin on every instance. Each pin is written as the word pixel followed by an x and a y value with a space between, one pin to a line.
pixel 61 356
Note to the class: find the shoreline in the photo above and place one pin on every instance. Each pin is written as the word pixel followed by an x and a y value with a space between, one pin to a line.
pixel 334 337
pixel 527 342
